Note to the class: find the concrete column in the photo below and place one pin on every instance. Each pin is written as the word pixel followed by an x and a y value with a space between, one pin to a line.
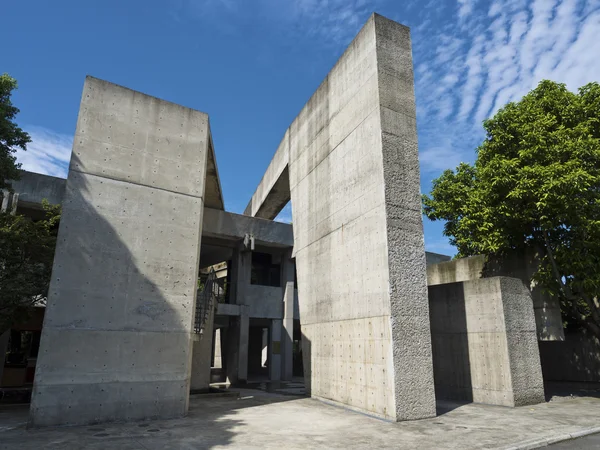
pixel 287 338
pixel 217 348
pixel 117 337
pixel 14 203
pixel 275 350
pixel 243 345
pixel 3 348
pixel 201 356
pixel 5 198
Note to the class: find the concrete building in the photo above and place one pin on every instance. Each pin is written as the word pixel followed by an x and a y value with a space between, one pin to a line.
pixel 126 333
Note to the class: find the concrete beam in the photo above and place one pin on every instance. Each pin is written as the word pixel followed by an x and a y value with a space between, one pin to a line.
pixel 273 191
pixel 116 342
pixel 35 187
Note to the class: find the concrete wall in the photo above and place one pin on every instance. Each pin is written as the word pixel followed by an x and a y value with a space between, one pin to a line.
pixel 116 342
pixel 522 266
pixel 264 301
pixel 358 236
pixel 34 187
pixel 576 359
pixel 484 342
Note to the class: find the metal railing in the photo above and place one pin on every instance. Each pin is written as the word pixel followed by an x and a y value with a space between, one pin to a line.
pixel 206 301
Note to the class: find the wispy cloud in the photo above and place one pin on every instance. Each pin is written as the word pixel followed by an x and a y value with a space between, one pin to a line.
pixel 48 152
pixel 504 49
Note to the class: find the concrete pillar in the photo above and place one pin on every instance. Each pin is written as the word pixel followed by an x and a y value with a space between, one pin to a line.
pixel 14 203
pixel 3 348
pixel 117 337
pixel 201 355
pixel 5 199
pixel 485 348
pixel 243 345
pixel 287 338
pixel 275 350
pixel 217 364
pixel 358 232
pixel 237 348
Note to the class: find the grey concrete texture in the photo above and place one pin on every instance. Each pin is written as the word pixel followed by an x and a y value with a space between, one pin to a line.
pixel 201 355
pixel 354 179
pixel 262 420
pixel 230 226
pixel 116 342
pixel 484 343
pixel 35 187
pixel 522 266
pixel 352 160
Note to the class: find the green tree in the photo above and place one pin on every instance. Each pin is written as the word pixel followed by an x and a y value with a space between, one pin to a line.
pixel 536 184
pixel 11 136
pixel 26 256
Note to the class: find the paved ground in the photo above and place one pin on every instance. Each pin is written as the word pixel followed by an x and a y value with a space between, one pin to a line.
pixel 259 419
pixel 585 443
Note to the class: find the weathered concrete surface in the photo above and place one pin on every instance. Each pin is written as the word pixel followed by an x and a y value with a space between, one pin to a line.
pixel 34 187
pixel 201 355
pixel 260 420
pixel 273 191
pixel 354 180
pixel 116 342
pixel 484 342
pixel 522 266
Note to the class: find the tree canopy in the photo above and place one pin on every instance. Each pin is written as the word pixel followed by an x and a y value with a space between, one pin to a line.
pixel 535 183
pixel 11 136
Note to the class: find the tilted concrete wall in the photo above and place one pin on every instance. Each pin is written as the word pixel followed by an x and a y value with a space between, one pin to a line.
pixel 484 342
pixel 522 266
pixel 358 236
pixel 116 342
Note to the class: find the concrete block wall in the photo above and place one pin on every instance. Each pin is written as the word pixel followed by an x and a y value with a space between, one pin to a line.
pixel 116 342
pixel 522 266
pixel 358 238
pixel 484 342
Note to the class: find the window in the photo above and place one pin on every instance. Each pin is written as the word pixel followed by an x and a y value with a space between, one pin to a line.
pixel 264 271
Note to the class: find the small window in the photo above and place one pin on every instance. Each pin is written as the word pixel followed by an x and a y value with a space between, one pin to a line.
pixel 264 271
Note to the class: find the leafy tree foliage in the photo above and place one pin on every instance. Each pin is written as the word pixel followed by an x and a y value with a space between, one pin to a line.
pixel 11 136
pixel 26 256
pixel 536 184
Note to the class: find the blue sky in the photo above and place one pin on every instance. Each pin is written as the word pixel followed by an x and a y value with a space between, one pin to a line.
pixel 252 65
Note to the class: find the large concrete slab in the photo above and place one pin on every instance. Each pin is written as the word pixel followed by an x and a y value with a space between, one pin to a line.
pixel 521 265
pixel 116 342
pixel 352 159
pixel 484 342
pixel 260 420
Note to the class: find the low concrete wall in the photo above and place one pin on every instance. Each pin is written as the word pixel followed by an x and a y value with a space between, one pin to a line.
pixel 547 308
pixel 484 343
pixel 576 359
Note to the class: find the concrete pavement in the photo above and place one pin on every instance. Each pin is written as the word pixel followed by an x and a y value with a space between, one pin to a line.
pixel 260 419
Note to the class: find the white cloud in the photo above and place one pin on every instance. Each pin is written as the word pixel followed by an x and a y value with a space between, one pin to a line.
pixel 503 49
pixel 48 152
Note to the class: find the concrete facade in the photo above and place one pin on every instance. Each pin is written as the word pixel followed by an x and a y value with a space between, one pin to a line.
pixel 352 160
pixel 116 342
pixel 484 342
pixel 522 266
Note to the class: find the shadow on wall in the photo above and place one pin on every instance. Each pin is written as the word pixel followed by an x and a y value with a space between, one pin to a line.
pixel 116 339
pixel 450 345
pixel 576 359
